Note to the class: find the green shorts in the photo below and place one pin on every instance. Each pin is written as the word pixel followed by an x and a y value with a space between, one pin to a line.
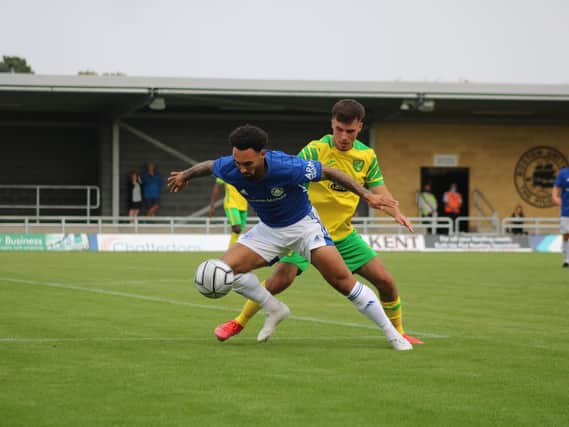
pixel 354 250
pixel 236 217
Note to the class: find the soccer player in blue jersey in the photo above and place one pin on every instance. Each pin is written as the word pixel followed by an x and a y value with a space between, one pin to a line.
pixel 561 199
pixel 336 208
pixel 273 184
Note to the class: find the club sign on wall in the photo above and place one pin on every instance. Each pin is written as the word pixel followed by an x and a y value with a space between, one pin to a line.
pixel 535 174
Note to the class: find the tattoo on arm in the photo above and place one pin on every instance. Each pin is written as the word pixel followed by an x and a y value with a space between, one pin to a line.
pixel 200 169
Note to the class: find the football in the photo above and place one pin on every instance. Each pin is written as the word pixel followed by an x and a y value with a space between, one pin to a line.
pixel 213 278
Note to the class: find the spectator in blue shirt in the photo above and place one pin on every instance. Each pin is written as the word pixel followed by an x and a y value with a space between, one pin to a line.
pixel 152 184
pixel 561 199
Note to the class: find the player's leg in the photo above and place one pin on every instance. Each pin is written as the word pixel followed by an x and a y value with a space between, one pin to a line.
pixel 282 276
pixel 314 243
pixel 375 272
pixel 564 222
pixel 363 260
pixel 234 217
pixel 242 260
pixel 565 249
pixel 266 245
pixel 328 261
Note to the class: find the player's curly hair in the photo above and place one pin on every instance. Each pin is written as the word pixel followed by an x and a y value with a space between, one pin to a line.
pixel 346 110
pixel 249 136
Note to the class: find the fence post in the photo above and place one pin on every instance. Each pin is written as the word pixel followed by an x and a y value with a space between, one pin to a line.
pixel 88 203
pixel 37 204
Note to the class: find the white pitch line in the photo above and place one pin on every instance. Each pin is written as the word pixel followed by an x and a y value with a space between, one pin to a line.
pixel 7 340
pixel 194 305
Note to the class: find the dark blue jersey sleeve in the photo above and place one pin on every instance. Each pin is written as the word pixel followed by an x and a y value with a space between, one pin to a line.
pixel 222 166
pixel 306 171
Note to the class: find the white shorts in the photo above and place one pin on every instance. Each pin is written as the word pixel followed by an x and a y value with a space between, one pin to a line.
pixel 303 236
pixel 564 225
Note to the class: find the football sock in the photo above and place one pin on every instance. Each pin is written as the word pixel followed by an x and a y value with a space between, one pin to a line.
pixel 394 311
pixel 249 310
pixel 565 249
pixel 367 303
pixel 234 237
pixel 248 285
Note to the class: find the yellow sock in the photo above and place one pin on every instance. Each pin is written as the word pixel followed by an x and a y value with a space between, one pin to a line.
pixel 249 310
pixel 233 239
pixel 395 313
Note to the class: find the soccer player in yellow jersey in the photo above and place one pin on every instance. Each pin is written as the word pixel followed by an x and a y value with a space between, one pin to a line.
pixel 336 207
pixel 235 207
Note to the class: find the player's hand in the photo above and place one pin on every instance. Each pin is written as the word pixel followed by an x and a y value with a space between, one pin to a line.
pixel 380 201
pixel 211 211
pixel 404 221
pixel 177 181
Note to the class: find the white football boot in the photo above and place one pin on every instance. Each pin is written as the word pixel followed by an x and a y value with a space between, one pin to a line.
pixel 273 317
pixel 397 341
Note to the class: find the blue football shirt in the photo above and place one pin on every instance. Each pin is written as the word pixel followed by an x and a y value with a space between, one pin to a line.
pixel 562 181
pixel 279 198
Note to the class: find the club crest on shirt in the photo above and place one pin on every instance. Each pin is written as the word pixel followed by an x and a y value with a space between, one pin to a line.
pixel 358 165
pixel 277 191
pixel 310 171
pixel 535 174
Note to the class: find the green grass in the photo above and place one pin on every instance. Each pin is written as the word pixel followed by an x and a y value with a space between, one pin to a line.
pixel 99 339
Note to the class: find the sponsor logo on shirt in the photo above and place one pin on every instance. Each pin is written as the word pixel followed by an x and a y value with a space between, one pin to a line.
pixel 310 171
pixel 337 187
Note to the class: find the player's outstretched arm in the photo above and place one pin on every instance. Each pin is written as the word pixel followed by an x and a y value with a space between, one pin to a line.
pixel 376 201
pixel 178 180
pixel 394 212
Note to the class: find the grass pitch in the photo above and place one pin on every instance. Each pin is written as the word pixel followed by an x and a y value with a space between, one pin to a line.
pixel 101 339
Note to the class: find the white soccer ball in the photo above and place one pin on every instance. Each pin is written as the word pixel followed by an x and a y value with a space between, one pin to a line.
pixel 214 278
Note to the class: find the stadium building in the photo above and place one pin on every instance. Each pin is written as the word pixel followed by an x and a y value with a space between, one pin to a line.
pixel 502 144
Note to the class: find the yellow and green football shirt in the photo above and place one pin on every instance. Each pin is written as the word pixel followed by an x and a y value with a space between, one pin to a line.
pixel 233 199
pixel 336 205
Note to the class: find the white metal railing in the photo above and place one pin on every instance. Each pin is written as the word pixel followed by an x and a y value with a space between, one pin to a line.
pixel 110 224
pixel 531 225
pixel 365 225
pixel 480 223
pixel 90 191
pixel 384 224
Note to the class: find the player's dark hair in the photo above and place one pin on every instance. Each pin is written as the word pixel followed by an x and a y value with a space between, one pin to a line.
pixel 249 136
pixel 346 110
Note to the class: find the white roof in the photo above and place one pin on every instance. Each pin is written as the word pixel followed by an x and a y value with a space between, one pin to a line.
pixel 305 88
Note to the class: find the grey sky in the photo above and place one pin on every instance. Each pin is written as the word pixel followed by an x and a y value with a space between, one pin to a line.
pixel 502 41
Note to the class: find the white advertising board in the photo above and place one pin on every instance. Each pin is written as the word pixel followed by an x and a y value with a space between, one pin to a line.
pixel 162 242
